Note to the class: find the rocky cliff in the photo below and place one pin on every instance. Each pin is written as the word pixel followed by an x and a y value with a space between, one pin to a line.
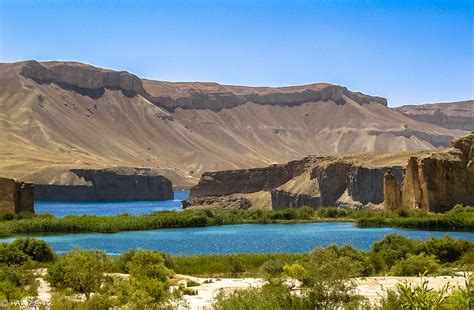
pixel 354 181
pixel 67 115
pixel 451 115
pixel 107 184
pixel 16 196
pixel 93 81
pixel 84 79
pixel 435 181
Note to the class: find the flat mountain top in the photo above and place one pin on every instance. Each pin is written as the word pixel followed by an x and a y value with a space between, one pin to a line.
pixel 56 116
pixel 451 115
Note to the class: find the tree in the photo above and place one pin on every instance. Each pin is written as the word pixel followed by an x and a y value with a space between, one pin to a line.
pixel 148 264
pixel 236 267
pixel 80 270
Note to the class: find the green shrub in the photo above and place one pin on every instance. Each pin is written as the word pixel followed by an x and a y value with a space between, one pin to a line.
pixel 415 265
pixel 394 247
pixel 149 264
pixel 80 270
pixel 272 268
pixel 236 266
pixel 446 249
pixel 37 250
pixel 191 283
pixel 10 255
pixel 277 297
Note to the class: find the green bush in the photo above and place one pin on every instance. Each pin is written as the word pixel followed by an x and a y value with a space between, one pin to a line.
pixel 277 297
pixel 37 250
pixel 14 281
pixel 80 270
pixel 415 265
pixel 393 248
pixel 10 255
pixel 272 268
pixel 149 264
pixel 446 249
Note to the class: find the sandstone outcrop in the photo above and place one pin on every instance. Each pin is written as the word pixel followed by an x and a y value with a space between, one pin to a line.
pixel 107 184
pixel 16 196
pixel 316 181
pixel 435 181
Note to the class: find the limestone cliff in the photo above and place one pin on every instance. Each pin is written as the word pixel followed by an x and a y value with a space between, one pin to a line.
pixel 354 181
pixel 435 181
pixel 16 196
pixel 107 184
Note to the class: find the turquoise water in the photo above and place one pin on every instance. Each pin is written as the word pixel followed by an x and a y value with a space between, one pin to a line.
pixel 247 238
pixel 63 208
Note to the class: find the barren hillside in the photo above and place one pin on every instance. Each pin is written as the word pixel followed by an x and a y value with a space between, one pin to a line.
pixel 60 115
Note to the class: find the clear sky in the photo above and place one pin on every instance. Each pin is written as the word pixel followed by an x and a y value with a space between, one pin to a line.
pixel 411 51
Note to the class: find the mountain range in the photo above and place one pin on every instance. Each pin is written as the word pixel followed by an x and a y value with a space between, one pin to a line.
pixel 57 116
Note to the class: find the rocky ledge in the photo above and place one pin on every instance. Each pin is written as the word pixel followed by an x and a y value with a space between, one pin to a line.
pixel 91 81
pixel 16 196
pixel 107 184
pixel 354 181
pixel 435 181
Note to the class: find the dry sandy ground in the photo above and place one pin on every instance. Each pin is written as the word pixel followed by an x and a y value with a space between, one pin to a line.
pixel 372 288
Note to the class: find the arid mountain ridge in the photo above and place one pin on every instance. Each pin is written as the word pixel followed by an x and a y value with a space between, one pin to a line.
pixel 58 116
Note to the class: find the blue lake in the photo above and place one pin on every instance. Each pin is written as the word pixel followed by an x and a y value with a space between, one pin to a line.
pixel 246 238
pixel 63 208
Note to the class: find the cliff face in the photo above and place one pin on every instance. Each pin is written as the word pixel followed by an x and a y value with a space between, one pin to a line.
pixel 68 115
pixel 451 115
pixel 435 181
pixel 316 181
pixel 84 79
pixel 107 184
pixel 16 196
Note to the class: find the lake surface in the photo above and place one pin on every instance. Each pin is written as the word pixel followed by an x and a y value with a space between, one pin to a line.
pixel 63 208
pixel 246 238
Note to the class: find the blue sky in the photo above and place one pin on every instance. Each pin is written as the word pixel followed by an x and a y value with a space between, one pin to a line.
pixel 408 51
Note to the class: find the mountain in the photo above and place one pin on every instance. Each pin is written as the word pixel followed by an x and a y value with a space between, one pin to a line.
pixel 57 116
pixel 451 115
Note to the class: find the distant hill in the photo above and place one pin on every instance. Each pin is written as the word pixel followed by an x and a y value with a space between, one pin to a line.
pixel 451 115
pixel 55 116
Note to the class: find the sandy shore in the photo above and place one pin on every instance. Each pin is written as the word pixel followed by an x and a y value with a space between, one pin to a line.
pixel 372 288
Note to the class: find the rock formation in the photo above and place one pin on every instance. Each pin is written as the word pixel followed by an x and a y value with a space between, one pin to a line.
pixel 451 115
pixel 107 184
pixel 83 78
pixel 57 116
pixel 435 181
pixel 16 196
pixel 354 181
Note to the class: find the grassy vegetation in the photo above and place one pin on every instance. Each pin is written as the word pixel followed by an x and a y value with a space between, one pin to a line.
pixel 459 218
pixel 327 275
pixel 225 265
